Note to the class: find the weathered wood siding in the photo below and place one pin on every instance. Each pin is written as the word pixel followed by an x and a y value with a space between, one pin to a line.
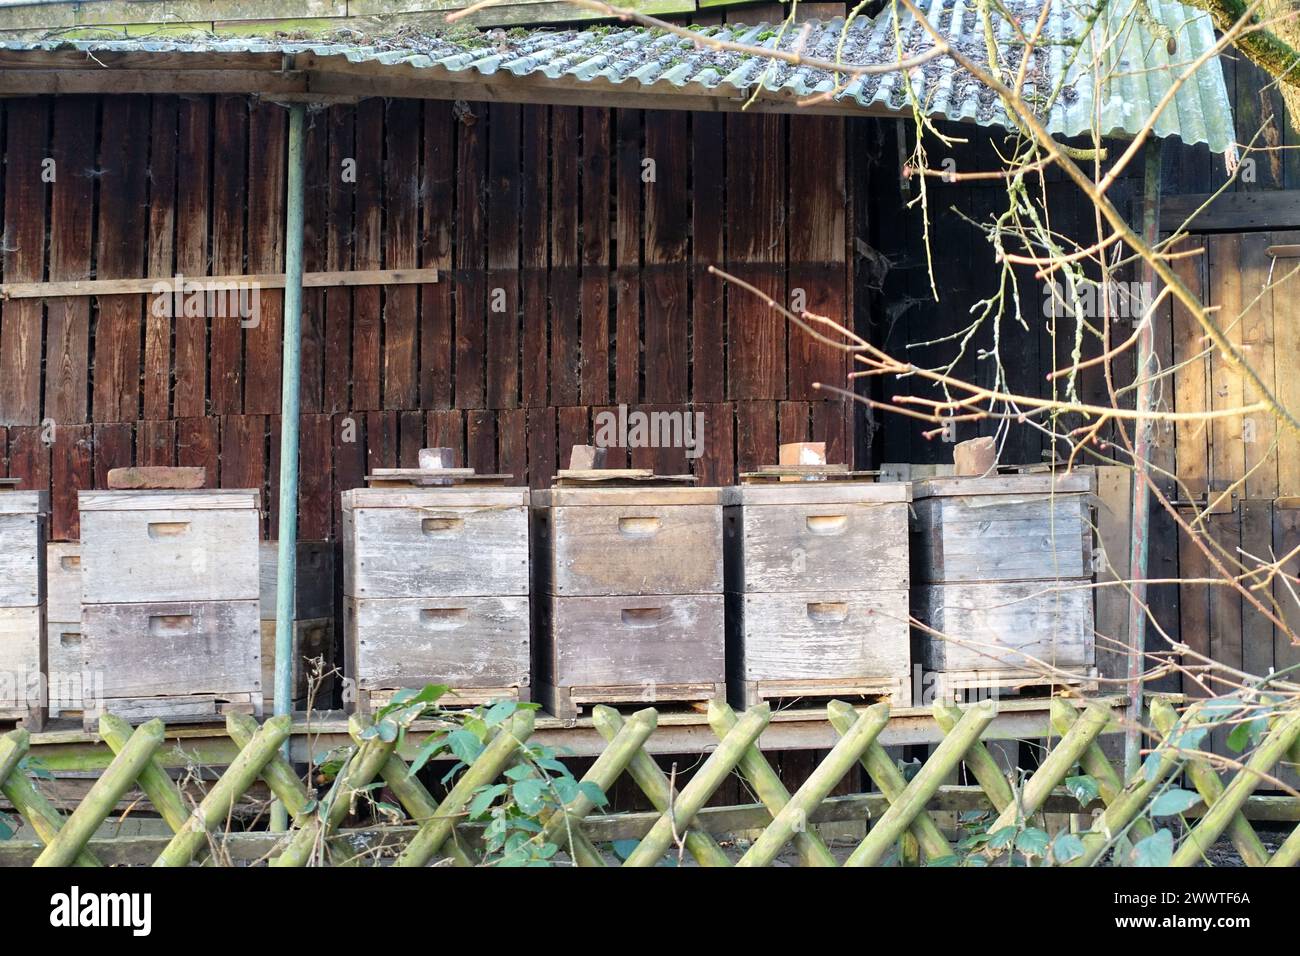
pixel 573 279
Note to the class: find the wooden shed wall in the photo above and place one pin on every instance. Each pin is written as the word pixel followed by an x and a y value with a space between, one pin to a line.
pixel 602 274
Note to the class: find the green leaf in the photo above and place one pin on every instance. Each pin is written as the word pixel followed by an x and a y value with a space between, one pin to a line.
pixel 566 789
pixel 1084 789
pixel 387 730
pixel 520 771
pixel 1155 850
pixel 1189 738
pixel 1002 838
pixel 592 792
pixel 1247 733
pixel 1173 802
pixel 528 794
pixel 1151 766
pixel 1221 706
pixel 464 745
pixel 976 861
pixel 431 746
pixel 477 728
pixel 6 827
pixel 483 799
pixel 1032 842
pixel 624 848
pixel 499 712
pixel 1066 847
pixel 943 861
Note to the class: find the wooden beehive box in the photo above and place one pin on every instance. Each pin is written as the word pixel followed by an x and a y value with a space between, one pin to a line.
pixel 435 586
pixel 169 613
pixel 63 625
pixel 817 596
pixel 1000 566
pixel 629 595
pixel 313 623
pixel 22 606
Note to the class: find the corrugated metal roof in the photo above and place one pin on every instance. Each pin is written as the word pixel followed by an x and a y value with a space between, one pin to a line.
pixel 1142 56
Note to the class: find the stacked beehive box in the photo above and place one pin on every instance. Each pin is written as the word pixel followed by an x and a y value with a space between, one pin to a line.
pixel 63 630
pixel 1000 567
pixel 629 595
pixel 313 623
pixel 435 585
pixel 22 606
pixel 817 598
pixel 169 614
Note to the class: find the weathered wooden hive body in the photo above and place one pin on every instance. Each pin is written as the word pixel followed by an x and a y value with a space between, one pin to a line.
pixel 435 586
pixel 313 623
pixel 63 625
pixel 1000 566
pixel 22 606
pixel 817 595
pixel 169 602
pixel 629 603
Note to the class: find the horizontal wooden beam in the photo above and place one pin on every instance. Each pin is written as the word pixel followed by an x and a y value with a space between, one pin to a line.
pixel 1232 212
pixel 266 280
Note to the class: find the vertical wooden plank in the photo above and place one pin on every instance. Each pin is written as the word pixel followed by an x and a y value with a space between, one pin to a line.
pixel 264 335
pixel 708 296
pixel 27 132
pixel 536 223
pixel 229 205
pixel 1191 375
pixel 193 181
pixel 573 428
pixel 1224 530
pixel 666 278
pixel 756 335
pixel 1193 603
pixel 70 471
pixel 29 457
pixel 1114 525
pixel 339 252
pixel 1286 541
pixel 401 251
pixel 113 448
pixel 1256 629
pixel 1286 345
pixel 410 432
pixel 155 443
pixel 316 194
pixel 1257 324
pixel 198 445
pixel 594 382
pixel 315 487
pixel 243 451
pixel 755 435
pixel 565 294
pixel 792 423
pixel 438 208
pixel 832 423
pixel 121 254
pixel 383 445
pixel 67 332
pixel 157 379
pixel 512 444
pixel 627 335
pixel 616 456
pixel 717 465
pixel 818 200
pixel 1227 451
pixel 470 251
pixel 349 461
pixel 502 357
pixel 542 451
pixel 445 428
pixel 481 440
pixel 369 227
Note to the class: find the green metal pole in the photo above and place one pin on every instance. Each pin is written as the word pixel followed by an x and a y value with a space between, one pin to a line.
pixel 289 389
